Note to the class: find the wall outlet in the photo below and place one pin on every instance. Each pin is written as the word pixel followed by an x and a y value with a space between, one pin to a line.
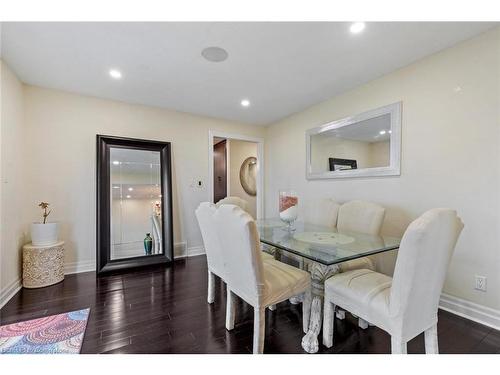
pixel 480 283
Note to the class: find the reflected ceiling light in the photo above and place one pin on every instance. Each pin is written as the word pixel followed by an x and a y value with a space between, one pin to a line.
pixel 214 54
pixel 245 103
pixel 116 187
pixel 357 27
pixel 128 196
pixel 115 74
pixel 130 189
pixel 116 162
pixel 390 131
pixel 382 132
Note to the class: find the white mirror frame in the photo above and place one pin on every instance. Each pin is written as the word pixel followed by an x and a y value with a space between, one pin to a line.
pixel 394 168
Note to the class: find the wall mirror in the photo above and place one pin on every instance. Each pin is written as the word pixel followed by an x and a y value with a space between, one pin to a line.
pixel 134 203
pixel 363 145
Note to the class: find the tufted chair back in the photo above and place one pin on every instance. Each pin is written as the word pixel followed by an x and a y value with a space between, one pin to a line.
pixel 240 246
pixel 322 212
pixel 360 216
pixel 205 216
pixel 241 203
pixel 423 259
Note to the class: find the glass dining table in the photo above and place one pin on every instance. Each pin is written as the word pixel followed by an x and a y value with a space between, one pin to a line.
pixel 320 250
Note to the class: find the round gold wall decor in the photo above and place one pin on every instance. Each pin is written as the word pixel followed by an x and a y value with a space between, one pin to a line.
pixel 248 176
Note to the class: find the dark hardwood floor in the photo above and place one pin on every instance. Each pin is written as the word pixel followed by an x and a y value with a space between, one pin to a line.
pixel 164 310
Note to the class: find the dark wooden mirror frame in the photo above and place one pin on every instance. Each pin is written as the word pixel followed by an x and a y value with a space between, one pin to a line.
pixel 104 262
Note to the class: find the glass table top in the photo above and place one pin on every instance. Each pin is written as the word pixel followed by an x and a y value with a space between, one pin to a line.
pixel 323 244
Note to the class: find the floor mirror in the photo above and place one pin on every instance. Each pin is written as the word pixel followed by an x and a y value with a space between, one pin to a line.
pixel 134 203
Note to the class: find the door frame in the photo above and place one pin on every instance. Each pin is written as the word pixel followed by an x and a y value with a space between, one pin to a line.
pixel 260 165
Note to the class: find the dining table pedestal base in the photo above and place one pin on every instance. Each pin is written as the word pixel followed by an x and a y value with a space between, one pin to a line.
pixel 319 274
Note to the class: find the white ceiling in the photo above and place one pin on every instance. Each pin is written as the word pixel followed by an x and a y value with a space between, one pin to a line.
pixel 282 68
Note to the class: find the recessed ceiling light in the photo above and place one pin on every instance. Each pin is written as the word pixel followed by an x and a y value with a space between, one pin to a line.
pixel 382 132
pixel 390 132
pixel 130 189
pixel 116 74
pixel 214 54
pixel 116 162
pixel 357 27
pixel 245 102
pixel 116 187
pixel 128 196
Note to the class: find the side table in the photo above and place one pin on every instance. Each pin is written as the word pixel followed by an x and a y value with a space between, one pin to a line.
pixel 43 265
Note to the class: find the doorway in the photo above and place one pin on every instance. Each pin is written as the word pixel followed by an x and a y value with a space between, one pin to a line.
pixel 220 169
pixel 236 169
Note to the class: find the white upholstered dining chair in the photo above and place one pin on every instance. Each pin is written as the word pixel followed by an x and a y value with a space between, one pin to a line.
pixel 361 217
pixel 237 201
pixel 322 212
pixel 407 304
pixel 260 284
pixel 215 259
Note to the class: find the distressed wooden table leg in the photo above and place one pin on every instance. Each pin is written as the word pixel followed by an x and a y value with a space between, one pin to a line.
pixel 319 274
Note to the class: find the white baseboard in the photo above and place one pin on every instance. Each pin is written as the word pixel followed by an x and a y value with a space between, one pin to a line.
pixel 180 249
pixel 195 250
pixel 470 310
pixel 90 265
pixel 8 292
pixel 78 267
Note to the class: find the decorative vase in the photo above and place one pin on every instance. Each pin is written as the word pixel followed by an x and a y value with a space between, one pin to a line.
pixel 148 244
pixel 288 202
pixel 44 234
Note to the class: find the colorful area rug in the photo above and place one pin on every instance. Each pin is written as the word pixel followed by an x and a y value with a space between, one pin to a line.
pixel 55 334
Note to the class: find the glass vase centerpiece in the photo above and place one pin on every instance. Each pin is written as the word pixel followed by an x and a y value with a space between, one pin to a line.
pixel 288 202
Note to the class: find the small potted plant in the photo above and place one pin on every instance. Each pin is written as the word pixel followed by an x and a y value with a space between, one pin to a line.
pixel 44 233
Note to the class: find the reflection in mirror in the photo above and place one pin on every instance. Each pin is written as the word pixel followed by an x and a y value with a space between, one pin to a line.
pixel 363 144
pixel 135 203
pixel 367 144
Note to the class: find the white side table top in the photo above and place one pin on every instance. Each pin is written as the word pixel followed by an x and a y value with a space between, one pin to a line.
pixel 31 246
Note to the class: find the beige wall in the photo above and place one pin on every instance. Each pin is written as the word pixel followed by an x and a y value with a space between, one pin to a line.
pixel 61 150
pixel 13 220
pixel 238 152
pixel 450 155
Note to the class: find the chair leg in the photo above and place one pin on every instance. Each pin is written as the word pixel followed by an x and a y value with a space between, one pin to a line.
pixel 230 310
pixel 259 330
pixel 306 309
pixel 211 287
pixel 328 323
pixel 363 324
pixel 431 340
pixel 398 346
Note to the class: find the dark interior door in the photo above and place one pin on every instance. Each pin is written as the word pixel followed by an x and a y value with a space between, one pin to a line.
pixel 220 171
